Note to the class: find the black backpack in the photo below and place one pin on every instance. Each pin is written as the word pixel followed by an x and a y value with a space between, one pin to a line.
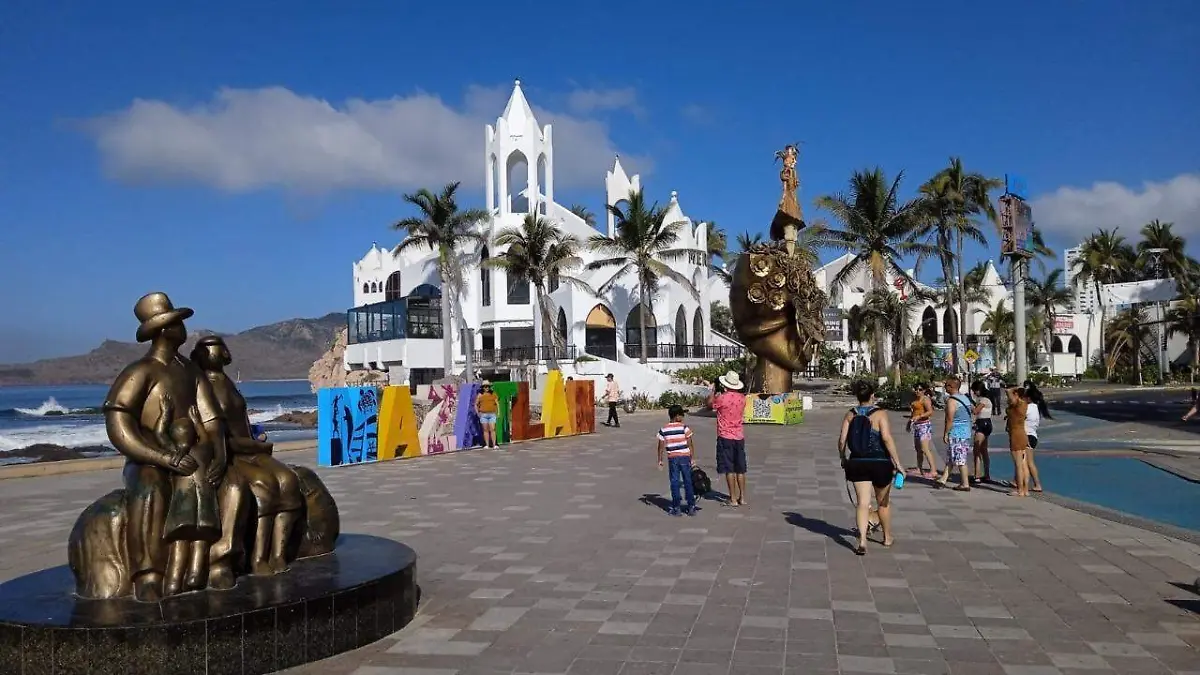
pixel 861 439
pixel 701 485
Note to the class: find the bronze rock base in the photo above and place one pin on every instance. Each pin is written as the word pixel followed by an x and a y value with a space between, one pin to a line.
pixel 366 589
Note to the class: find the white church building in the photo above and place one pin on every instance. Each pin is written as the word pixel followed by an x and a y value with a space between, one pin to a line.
pixel 396 323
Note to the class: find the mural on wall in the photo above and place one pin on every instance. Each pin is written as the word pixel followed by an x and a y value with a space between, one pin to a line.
pixel 437 431
pixel 945 361
pixel 468 433
pixel 774 409
pixel 347 425
pixel 367 424
pixel 399 434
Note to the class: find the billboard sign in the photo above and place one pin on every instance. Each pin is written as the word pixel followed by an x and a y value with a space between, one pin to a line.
pixel 833 324
pixel 1016 227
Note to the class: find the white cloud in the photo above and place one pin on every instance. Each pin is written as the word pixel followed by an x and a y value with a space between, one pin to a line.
pixel 585 101
pixel 697 114
pixel 250 139
pixel 1071 214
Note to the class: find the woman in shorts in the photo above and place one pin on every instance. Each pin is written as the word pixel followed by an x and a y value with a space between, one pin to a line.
pixel 869 460
pixel 983 431
pixel 488 407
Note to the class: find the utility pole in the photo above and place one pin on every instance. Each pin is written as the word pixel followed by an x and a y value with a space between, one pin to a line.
pixel 1163 367
pixel 1019 317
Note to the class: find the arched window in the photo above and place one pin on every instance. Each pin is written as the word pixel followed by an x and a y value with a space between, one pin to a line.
pixel 374 287
pixel 391 290
pixel 424 312
pixel 485 279
pixel 541 185
pixel 600 333
pixel 929 327
pixel 561 338
pixel 698 334
pixel 680 332
pixel 520 191
pixel 1056 345
pixel 366 289
pixel 1075 346
pixel 633 334
pixel 950 326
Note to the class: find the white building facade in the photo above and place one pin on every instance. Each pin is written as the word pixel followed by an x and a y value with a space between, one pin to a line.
pixel 395 325
pixel 1076 337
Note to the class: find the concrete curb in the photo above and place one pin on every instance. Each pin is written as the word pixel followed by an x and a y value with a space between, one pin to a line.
pixel 68 466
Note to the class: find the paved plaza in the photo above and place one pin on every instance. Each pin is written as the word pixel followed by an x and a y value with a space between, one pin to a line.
pixel 555 557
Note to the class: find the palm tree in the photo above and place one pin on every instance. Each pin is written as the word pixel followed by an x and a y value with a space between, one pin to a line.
pixel 447 231
pixel 1184 318
pixel 896 315
pixel 644 245
pixel 1001 323
pixel 958 196
pixel 540 254
pixel 584 214
pixel 1046 296
pixel 1127 340
pixel 718 251
pixel 877 230
pixel 746 241
pixel 1104 258
pixel 857 326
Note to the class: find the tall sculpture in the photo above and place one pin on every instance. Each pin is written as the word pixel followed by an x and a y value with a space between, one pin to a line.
pixel 774 298
pixel 197 485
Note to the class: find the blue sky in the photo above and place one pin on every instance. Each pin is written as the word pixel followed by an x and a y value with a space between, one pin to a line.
pixel 241 158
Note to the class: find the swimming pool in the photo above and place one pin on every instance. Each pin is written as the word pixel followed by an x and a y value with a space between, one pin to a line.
pixel 1124 484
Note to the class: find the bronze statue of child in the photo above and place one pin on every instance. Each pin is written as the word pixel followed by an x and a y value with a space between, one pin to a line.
pixel 192 523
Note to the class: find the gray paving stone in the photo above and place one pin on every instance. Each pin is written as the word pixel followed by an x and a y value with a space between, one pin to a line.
pixel 542 559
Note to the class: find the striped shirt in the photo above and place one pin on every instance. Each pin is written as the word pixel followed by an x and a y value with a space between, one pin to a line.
pixel 675 435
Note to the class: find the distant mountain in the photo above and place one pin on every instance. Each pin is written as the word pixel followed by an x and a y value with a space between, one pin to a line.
pixel 281 350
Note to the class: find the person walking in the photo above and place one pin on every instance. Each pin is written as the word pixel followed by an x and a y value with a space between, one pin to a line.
pixel 675 442
pixel 983 431
pixel 729 403
pixel 869 461
pixel 487 405
pixel 1018 441
pixel 920 422
pixel 956 434
pixel 612 396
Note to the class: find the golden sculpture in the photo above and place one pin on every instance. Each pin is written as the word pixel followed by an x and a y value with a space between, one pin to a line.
pixel 194 476
pixel 774 298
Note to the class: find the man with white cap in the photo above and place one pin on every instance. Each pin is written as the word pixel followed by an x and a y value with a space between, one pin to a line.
pixel 729 403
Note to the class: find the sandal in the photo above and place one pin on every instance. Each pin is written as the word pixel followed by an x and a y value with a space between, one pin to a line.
pixel 940 483
pixel 860 550
pixel 886 544
pixel 959 488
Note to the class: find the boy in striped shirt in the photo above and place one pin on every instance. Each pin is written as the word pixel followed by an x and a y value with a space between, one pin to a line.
pixel 675 441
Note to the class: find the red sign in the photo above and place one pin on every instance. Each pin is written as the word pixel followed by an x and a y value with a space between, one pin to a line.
pixel 899 284
pixel 1064 324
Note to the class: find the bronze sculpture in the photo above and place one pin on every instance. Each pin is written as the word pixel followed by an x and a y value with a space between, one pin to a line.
pixel 194 476
pixel 774 298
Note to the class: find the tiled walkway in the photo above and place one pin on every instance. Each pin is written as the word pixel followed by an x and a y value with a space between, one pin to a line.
pixel 553 558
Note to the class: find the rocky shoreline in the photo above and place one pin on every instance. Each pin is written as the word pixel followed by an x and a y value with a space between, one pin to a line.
pixel 50 452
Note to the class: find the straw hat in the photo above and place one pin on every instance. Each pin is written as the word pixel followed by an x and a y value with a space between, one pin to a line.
pixel 731 380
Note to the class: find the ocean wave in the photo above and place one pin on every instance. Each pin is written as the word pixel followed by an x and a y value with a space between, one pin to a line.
pixel 71 436
pixel 51 408
pixel 264 416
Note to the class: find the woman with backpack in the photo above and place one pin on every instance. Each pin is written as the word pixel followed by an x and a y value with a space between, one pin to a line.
pixel 870 461
pixel 956 435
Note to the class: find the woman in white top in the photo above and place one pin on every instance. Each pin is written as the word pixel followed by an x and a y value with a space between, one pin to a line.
pixel 1033 419
pixel 983 429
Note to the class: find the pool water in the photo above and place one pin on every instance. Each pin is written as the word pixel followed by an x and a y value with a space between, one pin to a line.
pixel 1124 484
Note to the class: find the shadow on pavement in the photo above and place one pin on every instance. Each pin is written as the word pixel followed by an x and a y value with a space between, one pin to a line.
pixel 834 532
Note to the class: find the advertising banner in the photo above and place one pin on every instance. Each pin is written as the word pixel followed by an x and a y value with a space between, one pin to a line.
pixel 833 324
pixel 774 409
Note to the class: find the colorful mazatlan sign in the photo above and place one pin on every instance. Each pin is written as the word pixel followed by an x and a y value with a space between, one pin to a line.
pixel 366 424
pixel 774 409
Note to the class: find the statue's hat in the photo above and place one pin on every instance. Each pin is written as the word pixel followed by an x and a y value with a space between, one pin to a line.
pixel 156 312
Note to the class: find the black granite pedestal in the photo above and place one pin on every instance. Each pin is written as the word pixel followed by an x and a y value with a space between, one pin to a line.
pixel 364 590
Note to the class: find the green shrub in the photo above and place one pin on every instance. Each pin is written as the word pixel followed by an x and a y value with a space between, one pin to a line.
pixel 709 372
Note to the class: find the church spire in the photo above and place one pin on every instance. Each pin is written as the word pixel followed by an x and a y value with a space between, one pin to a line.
pixel 518 113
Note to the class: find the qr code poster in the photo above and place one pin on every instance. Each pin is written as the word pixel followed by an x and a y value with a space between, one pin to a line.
pixel 773 409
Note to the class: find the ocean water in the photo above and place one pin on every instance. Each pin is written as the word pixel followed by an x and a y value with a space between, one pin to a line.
pixel 70 415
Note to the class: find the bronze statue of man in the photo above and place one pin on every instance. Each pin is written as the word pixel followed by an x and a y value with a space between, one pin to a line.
pixel 131 415
pixel 274 486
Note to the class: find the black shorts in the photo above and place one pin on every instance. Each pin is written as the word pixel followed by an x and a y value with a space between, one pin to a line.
pixel 984 427
pixel 878 473
pixel 731 455
pixel 1032 442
